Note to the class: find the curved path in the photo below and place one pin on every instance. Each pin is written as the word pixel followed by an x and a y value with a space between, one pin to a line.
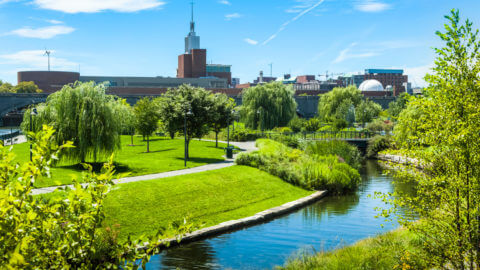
pixel 244 146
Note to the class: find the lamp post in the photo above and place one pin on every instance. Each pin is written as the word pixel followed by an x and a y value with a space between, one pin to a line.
pixel 187 113
pixel 32 113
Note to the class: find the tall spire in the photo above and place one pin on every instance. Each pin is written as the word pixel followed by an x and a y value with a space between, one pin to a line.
pixel 192 23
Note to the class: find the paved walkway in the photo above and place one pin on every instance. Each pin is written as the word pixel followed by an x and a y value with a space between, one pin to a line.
pixel 244 146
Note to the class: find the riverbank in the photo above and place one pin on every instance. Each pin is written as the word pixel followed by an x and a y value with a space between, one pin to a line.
pixel 205 199
pixel 392 250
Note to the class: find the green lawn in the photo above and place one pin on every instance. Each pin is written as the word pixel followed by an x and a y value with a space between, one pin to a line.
pixel 207 198
pixel 165 155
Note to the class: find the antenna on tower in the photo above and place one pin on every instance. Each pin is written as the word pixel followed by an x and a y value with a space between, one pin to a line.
pixel 47 53
pixel 192 23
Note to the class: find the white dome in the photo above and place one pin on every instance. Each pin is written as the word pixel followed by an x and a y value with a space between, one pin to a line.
pixel 371 85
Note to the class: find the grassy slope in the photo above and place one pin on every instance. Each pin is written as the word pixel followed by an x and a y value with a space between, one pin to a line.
pixel 393 250
pixel 206 198
pixel 165 155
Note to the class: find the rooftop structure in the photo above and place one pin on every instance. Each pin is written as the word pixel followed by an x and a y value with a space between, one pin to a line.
pixel 371 85
pixel 192 41
pixel 383 71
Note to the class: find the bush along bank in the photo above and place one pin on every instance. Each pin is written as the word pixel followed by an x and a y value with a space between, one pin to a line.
pixel 319 172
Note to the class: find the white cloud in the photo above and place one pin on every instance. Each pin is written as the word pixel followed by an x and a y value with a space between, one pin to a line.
pixel 285 24
pixel 371 6
pixel 347 54
pixel 416 75
pixel 43 32
pixel 224 2
pixel 251 41
pixel 35 59
pixel 229 17
pixel 54 21
pixel 6 1
pixel 92 6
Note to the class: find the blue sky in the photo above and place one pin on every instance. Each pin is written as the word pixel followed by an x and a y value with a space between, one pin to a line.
pixel 144 37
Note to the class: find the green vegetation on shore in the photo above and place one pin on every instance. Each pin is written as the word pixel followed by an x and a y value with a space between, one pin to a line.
pixel 165 155
pixel 315 171
pixel 207 198
pixel 393 250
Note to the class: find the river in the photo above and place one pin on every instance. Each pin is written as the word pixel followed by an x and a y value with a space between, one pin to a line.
pixel 327 224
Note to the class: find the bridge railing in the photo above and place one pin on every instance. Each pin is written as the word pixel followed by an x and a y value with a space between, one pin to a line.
pixel 318 135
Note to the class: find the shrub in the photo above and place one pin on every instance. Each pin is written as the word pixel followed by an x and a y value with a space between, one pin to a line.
pixel 378 143
pixel 296 124
pixel 379 125
pixel 312 125
pixel 290 141
pixel 298 168
pixel 347 152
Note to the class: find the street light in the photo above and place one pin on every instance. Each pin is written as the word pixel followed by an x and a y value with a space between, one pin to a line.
pixel 187 113
pixel 32 113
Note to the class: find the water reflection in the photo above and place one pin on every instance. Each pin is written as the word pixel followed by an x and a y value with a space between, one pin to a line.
pixel 324 225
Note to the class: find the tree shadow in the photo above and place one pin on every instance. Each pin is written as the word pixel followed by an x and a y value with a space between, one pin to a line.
pixel 203 160
pixel 158 151
pixel 96 167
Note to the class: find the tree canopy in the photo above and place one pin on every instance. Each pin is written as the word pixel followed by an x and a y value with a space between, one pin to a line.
pixel 366 111
pixel 447 119
pixel 222 113
pixel 190 103
pixel 267 106
pixel 338 103
pixel 84 114
pixel 397 106
pixel 26 87
pixel 146 117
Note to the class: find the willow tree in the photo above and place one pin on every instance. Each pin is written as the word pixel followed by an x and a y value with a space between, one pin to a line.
pixel 85 115
pixel 267 106
pixel 448 192
pixel 336 104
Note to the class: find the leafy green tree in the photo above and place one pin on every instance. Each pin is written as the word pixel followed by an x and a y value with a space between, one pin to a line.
pixel 337 103
pixel 84 114
pixel 147 114
pixel 65 231
pixel 397 106
pixel 190 104
pixel 366 111
pixel 222 114
pixel 127 116
pixel 26 87
pixel 312 125
pixel 267 106
pixel 448 191
pixel 6 87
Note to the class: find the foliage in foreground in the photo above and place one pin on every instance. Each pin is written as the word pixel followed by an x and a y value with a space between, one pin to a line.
pixel 83 114
pixel 58 233
pixel 448 191
pixel 377 144
pixel 393 250
pixel 296 167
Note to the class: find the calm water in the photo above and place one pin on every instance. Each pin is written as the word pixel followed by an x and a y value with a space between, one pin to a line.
pixel 7 131
pixel 325 225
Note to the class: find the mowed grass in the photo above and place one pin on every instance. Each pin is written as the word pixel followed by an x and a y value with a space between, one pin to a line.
pixel 165 155
pixel 207 198
pixel 398 249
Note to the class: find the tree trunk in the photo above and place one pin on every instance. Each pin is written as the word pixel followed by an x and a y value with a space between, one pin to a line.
pixel 216 139
pixel 172 135
pixel 148 144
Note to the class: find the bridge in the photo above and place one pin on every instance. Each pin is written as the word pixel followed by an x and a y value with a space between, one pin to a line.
pixel 307 105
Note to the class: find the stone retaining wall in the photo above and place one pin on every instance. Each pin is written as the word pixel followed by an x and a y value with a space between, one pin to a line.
pixel 233 225
pixel 400 160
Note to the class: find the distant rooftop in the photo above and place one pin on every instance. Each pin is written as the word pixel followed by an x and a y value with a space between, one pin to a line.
pixel 383 71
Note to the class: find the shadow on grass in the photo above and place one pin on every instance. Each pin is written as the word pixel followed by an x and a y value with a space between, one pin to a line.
pixel 96 167
pixel 158 151
pixel 203 160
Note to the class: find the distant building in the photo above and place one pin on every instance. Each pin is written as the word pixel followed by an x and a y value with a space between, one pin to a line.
pixel 220 71
pixel 235 82
pixel 263 79
pixel 351 80
pixel 305 78
pixel 393 77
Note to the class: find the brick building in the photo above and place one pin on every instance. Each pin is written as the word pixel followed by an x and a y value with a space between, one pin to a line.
pixel 388 77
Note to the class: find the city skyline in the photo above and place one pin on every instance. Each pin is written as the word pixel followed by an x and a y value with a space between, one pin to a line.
pixel 143 38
